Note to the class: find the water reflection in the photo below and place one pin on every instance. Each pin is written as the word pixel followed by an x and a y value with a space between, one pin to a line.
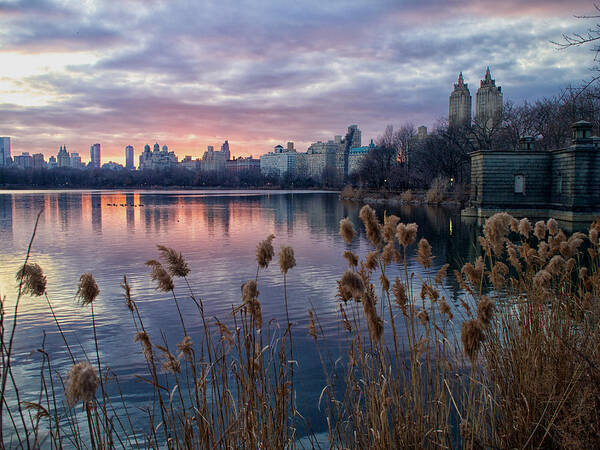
pixel 113 233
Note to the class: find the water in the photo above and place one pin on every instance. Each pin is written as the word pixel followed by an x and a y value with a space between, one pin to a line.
pixel 111 233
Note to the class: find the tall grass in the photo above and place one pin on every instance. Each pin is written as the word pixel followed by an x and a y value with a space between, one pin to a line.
pixel 515 364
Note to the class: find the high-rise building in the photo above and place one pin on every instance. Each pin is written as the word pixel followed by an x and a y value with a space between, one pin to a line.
pixel 95 160
pixel 488 102
pixel 76 161
pixel 459 114
pixel 38 161
pixel 129 157
pixel 4 151
pixel 63 158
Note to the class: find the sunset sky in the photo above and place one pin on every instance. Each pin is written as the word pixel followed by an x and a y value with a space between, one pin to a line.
pixel 193 73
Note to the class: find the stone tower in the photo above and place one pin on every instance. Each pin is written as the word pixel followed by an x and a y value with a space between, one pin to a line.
pixel 488 102
pixel 459 114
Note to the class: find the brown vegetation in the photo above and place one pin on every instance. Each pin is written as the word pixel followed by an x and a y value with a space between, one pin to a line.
pixel 515 364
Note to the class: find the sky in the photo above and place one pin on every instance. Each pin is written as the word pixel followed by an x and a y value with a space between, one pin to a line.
pixel 263 72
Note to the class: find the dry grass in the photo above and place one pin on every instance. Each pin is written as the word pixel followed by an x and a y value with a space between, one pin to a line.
pixel 437 192
pixel 407 197
pixel 515 365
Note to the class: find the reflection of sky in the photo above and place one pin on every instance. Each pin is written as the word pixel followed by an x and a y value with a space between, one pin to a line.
pixel 113 233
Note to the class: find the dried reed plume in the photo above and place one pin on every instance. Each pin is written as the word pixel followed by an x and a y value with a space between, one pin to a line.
pixel 81 383
pixel 371 260
pixel 513 257
pixel 347 230
pixel 389 227
pixel 498 274
pixel 552 226
pixel 424 253
pixel 286 258
pixel 399 292
pixel 542 279
pixel 372 225
pixel 471 336
pixel 225 333
pixel 170 362
pixel 474 273
pixel 441 274
pixel 445 308
pixel 127 295
pixel 249 290
pixel 495 230
pixel 161 276
pixel 540 230
pixel 389 252
pixel 312 330
pixel 352 283
pixel 594 236
pixel 525 227
pixel 249 296
pixel 385 283
pixel 176 265
pixel 143 338
pixel 87 291
pixel 265 252
pixel 351 258
pixel 429 292
pixel 423 316
pixel 374 322
pixel 407 233
pixel 185 347
pixel 485 310
pixel 556 265
pixel 543 250
pixel 33 279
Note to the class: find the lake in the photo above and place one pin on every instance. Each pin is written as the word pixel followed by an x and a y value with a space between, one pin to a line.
pixel 112 233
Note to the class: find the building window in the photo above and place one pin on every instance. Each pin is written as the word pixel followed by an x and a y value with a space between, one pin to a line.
pixel 519 184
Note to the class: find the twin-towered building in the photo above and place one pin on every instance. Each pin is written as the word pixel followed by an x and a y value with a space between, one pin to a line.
pixel 488 104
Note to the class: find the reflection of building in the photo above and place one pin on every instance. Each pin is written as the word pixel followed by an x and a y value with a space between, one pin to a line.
pixel 129 157
pixel 563 183
pixel 6 214
pixel 95 156
pixel 157 159
pixel 488 102
pixel 459 114
pixel 4 151
pixel 96 202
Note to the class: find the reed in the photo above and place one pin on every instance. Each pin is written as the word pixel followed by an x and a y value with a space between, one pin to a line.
pixel 514 363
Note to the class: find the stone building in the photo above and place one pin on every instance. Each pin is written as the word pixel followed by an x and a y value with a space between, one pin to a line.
pixel 157 159
pixel 63 158
pixel 278 162
pixel 562 183
pixel 488 102
pixel 357 155
pixel 214 161
pixel 459 114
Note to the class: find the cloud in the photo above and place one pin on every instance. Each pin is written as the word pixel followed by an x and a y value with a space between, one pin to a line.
pixel 258 73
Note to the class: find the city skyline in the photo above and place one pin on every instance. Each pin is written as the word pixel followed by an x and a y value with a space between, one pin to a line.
pixel 122 75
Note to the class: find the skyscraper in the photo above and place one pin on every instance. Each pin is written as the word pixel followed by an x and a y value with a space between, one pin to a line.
pixel 488 102
pixel 459 114
pixel 95 156
pixel 4 151
pixel 129 157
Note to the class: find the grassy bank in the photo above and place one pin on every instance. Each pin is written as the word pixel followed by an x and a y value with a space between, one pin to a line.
pixel 515 364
